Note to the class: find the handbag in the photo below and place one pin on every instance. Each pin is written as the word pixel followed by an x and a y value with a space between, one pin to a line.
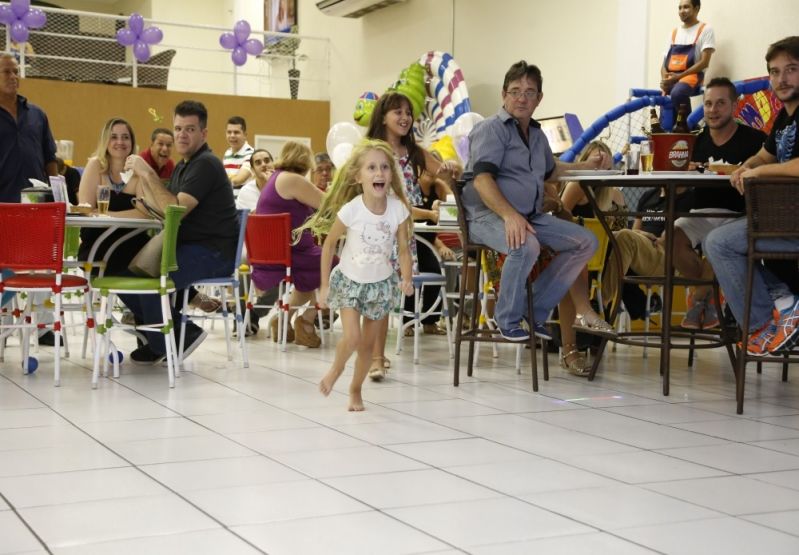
pixel 147 262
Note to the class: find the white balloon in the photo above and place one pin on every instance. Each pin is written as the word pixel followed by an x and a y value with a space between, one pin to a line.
pixel 464 125
pixel 343 132
pixel 341 153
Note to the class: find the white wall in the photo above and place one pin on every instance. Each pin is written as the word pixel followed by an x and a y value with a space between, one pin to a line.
pixel 590 51
pixel 743 30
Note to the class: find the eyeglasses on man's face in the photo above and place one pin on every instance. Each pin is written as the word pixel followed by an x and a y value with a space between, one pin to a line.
pixel 529 94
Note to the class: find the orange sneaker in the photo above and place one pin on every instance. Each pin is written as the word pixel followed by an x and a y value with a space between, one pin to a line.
pixel 787 332
pixel 759 339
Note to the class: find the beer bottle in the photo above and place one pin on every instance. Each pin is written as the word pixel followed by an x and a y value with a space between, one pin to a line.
pixel 681 126
pixel 654 122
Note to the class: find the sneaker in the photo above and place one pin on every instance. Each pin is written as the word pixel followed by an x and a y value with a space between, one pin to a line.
pixel 542 331
pixel 514 334
pixel 787 332
pixel 146 356
pixel 693 316
pixel 758 340
pixel 194 336
pixel 711 317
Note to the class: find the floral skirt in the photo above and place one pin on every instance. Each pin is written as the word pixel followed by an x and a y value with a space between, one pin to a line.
pixel 373 300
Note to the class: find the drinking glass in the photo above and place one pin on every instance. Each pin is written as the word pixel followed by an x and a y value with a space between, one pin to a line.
pixel 647 155
pixel 103 199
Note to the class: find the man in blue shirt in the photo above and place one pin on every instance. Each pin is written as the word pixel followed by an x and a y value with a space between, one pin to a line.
pixel 27 148
pixel 509 160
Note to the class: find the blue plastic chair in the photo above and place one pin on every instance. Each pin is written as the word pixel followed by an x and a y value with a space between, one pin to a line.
pixel 233 281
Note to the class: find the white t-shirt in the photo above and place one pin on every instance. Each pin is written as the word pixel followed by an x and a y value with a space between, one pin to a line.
pixel 707 39
pixel 248 196
pixel 366 257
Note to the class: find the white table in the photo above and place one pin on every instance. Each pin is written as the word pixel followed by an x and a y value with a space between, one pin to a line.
pixel 110 224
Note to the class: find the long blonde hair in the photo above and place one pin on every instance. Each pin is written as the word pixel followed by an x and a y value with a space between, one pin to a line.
pixel 105 135
pixel 345 187
pixel 604 196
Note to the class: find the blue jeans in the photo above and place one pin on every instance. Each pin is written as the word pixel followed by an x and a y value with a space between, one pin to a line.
pixel 681 93
pixel 573 244
pixel 194 262
pixel 726 249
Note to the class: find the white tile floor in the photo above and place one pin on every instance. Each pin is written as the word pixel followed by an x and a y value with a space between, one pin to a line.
pixel 247 461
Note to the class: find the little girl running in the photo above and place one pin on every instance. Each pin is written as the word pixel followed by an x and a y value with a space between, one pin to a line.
pixel 364 282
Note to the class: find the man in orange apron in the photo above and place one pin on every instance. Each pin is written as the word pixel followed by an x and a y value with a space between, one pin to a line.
pixel 688 56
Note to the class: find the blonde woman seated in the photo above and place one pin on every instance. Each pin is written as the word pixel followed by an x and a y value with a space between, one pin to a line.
pixel 575 204
pixel 287 190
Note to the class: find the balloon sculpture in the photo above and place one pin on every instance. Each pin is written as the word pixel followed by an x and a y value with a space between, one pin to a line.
pixel 447 86
pixel 139 37
pixel 20 19
pixel 239 42
pixel 437 92
pixel 364 108
pixel 411 84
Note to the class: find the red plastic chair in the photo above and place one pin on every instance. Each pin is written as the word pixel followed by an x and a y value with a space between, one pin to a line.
pixel 268 240
pixel 31 244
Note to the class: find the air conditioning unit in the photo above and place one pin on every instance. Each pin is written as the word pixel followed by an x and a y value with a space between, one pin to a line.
pixel 353 8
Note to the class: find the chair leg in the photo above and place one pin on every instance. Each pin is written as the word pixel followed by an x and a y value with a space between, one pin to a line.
pixel 245 361
pixel 169 341
pixel 417 325
pixel 445 316
pixel 101 342
pixel 57 334
pixel 184 318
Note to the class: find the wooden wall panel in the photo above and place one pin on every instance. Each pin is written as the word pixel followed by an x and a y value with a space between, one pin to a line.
pixel 77 112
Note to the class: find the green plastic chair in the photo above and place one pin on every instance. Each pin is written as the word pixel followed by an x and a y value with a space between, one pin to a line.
pixel 109 286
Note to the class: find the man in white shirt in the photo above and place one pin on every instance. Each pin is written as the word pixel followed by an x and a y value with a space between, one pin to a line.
pixel 237 157
pixel 688 55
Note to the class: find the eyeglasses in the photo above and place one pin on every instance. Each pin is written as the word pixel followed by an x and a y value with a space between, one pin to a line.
pixel 529 95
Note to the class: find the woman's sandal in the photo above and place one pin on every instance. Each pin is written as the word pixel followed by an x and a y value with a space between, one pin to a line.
pixel 593 324
pixel 578 365
pixel 378 370
pixel 205 303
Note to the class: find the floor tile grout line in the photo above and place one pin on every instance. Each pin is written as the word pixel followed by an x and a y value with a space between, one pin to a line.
pixel 223 525
pixel 25 523
pixel 132 465
pixel 417 417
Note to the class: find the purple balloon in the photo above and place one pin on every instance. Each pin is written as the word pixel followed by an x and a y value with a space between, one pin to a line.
pixel 34 19
pixel 7 15
pixel 228 40
pixel 253 46
pixel 151 35
pixel 136 23
pixel 20 7
pixel 239 56
pixel 242 31
pixel 141 51
pixel 19 32
pixel 126 37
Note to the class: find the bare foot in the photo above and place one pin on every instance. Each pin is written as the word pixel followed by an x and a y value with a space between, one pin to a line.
pixel 328 381
pixel 356 402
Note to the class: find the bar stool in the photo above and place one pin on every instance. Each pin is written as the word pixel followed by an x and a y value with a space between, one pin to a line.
pixel 771 207
pixel 476 334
